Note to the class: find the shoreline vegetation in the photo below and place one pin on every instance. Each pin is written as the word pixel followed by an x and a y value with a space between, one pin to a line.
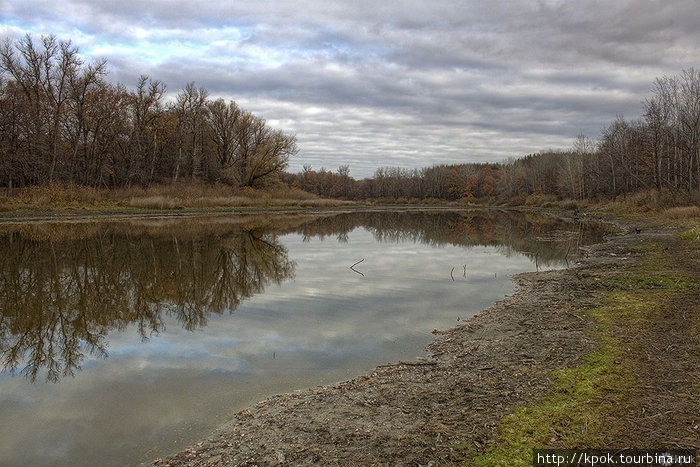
pixel 643 324
pixel 59 200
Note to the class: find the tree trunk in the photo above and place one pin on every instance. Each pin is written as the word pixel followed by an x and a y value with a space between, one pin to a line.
pixel 153 158
pixel 177 164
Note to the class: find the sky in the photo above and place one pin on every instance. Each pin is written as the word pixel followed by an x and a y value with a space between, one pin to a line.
pixel 407 84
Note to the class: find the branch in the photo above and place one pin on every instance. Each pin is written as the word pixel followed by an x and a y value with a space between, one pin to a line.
pixel 355 270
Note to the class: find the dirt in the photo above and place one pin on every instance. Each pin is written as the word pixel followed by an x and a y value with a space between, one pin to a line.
pixel 446 409
pixel 666 399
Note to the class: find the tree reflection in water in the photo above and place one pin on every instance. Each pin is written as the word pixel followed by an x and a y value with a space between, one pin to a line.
pixel 64 287
pixel 62 291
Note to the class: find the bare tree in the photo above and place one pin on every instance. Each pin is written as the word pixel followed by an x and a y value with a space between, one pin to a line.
pixel 83 86
pixel 689 122
pixel 146 109
pixel 223 121
pixel 260 150
pixel 191 111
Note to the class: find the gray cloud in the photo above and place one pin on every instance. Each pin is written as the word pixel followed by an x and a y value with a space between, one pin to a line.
pixel 404 83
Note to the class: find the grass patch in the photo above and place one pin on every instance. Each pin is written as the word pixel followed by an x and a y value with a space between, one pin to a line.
pixel 639 282
pixel 689 235
pixel 586 405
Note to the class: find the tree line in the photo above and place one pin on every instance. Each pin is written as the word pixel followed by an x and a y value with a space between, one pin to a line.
pixel 61 121
pixel 660 151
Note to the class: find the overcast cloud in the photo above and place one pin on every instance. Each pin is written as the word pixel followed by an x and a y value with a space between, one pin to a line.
pixel 406 83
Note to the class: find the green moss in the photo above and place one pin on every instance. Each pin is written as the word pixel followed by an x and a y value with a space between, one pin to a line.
pixel 575 411
pixel 641 282
pixel 689 235
pixel 585 403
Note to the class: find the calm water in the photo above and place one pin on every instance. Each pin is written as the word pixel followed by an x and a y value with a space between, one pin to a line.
pixel 125 341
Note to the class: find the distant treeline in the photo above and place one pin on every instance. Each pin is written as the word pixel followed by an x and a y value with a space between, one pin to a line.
pixel 661 151
pixel 61 121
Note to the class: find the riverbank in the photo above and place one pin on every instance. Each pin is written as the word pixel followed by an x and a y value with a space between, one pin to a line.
pixel 602 354
pixel 116 214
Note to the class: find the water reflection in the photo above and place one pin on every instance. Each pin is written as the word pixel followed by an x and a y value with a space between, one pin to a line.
pixel 65 287
pixel 62 293
pixel 548 240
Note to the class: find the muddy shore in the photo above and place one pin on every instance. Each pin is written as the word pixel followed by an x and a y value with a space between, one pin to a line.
pixel 445 410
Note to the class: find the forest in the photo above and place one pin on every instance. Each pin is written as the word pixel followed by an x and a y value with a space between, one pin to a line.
pixel 659 151
pixel 62 121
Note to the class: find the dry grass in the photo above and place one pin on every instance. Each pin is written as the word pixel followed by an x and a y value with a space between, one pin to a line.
pixel 686 217
pixel 163 202
pixel 185 195
pixel 658 208
pixel 538 199
pixel 682 212
pixel 652 201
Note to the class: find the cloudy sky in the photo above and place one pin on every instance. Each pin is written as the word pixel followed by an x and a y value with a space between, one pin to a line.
pixel 396 83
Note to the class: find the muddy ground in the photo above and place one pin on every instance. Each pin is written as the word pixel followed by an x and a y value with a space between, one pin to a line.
pixel 447 409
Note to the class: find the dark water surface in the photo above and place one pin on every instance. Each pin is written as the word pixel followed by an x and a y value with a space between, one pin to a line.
pixel 124 341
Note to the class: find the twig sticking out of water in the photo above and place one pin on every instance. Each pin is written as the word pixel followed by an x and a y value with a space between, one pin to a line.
pixel 355 270
pixel 453 270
